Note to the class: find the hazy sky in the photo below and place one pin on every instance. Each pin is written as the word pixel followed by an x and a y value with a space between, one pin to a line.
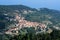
pixel 52 4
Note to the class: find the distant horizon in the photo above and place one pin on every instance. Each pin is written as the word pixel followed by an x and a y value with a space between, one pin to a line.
pixel 29 6
pixel 51 4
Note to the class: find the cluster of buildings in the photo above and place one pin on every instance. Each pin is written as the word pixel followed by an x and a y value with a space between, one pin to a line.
pixel 24 23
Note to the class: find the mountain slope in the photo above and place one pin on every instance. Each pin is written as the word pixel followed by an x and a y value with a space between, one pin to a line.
pixel 47 16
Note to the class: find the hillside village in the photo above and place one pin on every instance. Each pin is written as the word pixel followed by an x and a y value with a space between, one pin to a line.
pixel 22 23
pixel 19 22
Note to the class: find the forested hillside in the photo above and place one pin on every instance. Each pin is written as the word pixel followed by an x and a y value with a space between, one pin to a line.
pixel 46 16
